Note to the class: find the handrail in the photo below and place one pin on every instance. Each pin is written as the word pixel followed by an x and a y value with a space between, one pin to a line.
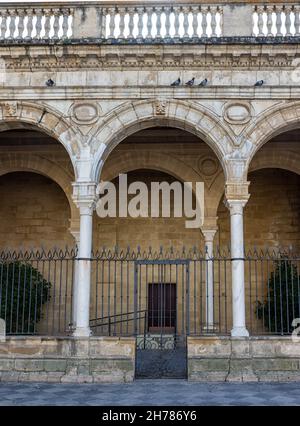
pixel 110 323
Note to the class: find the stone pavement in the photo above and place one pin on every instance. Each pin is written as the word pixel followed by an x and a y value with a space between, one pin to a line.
pixel 150 392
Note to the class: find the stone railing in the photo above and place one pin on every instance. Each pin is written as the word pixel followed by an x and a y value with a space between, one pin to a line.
pixel 154 21
pixel 276 20
pixel 19 23
pixel 148 22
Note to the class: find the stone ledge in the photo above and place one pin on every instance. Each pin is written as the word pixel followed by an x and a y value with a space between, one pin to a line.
pixel 71 360
pixel 243 359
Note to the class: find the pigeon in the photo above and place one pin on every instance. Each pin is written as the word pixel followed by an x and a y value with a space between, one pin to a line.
pixel 176 83
pixel 203 83
pixel 259 83
pixel 190 82
pixel 50 83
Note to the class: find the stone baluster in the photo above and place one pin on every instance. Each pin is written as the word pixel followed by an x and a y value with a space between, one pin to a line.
pixel 131 13
pixel 112 17
pixel 158 11
pixel 38 25
pixel 297 20
pixel 167 11
pixel 260 23
pixel 195 10
pixel 213 11
pixel 21 15
pixel 47 14
pixel 185 11
pixel 204 21
pixel 278 20
pixel 12 24
pixel 149 11
pixel 220 12
pixel 65 23
pixel 122 13
pixel 29 26
pixel 140 12
pixel 57 14
pixel 3 14
pixel 177 23
pixel 288 22
pixel 269 11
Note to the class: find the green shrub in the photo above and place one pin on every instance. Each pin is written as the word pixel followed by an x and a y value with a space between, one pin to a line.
pixel 282 302
pixel 23 292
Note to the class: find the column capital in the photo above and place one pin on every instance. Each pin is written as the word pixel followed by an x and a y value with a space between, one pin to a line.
pixel 235 206
pixel 236 195
pixel 84 196
pixel 209 234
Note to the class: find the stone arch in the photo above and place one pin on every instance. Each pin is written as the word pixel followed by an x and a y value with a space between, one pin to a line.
pixel 42 166
pixel 135 116
pixel 277 159
pixel 151 160
pixel 170 165
pixel 271 123
pixel 36 116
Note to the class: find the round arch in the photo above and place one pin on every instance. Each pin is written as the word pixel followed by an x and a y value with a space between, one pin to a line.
pixel 133 117
pixel 277 159
pixel 275 121
pixel 170 165
pixel 39 165
pixel 36 116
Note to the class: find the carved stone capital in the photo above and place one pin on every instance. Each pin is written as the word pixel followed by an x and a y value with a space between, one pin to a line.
pixel 84 196
pixel 209 234
pixel 237 191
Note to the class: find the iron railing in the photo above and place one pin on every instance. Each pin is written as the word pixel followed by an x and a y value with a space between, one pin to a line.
pixel 138 293
pixel 36 291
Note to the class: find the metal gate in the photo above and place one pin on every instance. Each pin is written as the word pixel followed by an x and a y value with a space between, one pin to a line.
pixel 161 320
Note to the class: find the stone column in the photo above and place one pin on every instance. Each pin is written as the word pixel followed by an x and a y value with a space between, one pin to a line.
pixel 236 207
pixel 75 231
pixel 84 197
pixel 209 235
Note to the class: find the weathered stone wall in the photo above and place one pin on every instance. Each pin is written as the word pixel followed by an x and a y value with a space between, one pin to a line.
pixel 34 212
pixel 254 359
pixel 95 359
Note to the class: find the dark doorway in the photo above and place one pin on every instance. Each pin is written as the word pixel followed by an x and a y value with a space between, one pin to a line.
pixel 162 307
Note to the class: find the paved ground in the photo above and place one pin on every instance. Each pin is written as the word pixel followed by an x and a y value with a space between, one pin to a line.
pixel 150 392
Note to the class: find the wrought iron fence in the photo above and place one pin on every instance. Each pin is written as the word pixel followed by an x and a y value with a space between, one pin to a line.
pixel 272 284
pixel 165 293
pixel 36 291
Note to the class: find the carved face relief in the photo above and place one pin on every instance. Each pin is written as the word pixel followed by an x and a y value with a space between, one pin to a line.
pixel 160 107
pixel 10 109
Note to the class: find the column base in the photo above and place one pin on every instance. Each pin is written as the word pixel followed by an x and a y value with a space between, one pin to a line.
pixel 82 332
pixel 239 332
pixel 209 328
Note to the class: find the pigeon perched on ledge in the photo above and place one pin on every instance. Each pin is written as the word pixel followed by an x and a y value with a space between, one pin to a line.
pixel 259 83
pixel 203 83
pixel 190 82
pixel 176 82
pixel 50 83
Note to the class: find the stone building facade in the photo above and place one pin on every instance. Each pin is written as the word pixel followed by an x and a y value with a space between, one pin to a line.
pixel 110 109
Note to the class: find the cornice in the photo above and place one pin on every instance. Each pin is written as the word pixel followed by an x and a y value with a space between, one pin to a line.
pixel 91 57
